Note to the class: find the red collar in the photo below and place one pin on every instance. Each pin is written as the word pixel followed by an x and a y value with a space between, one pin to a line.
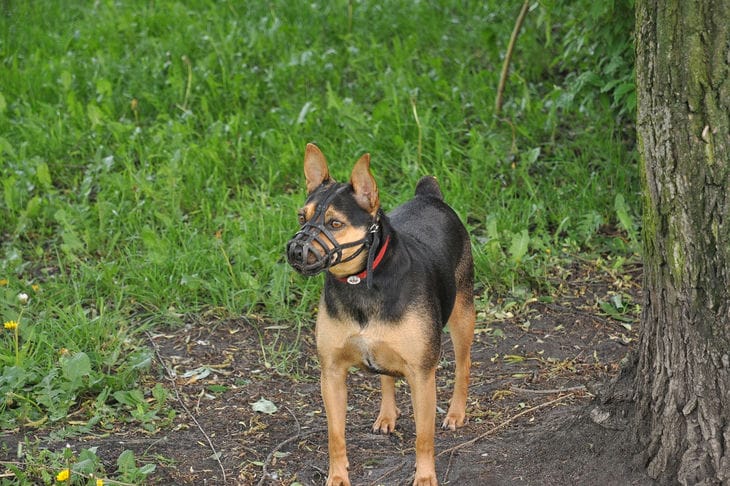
pixel 355 279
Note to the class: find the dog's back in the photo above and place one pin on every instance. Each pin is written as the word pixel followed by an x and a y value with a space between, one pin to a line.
pixel 427 217
pixel 437 239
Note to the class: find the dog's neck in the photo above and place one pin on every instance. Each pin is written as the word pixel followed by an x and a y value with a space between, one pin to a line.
pixel 376 252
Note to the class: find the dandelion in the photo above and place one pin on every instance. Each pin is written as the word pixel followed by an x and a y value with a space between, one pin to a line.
pixel 99 482
pixel 63 475
pixel 13 326
pixel 3 282
pixel 35 287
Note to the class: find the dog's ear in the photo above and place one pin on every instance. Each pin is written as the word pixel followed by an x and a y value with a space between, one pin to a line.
pixel 315 168
pixel 363 183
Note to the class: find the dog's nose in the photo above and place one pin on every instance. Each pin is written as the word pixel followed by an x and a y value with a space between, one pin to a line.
pixel 294 252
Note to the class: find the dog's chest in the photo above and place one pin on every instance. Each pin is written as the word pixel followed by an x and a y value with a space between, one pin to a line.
pixel 378 346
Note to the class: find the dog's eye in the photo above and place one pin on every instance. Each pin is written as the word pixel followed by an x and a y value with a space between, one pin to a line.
pixel 334 224
pixel 302 219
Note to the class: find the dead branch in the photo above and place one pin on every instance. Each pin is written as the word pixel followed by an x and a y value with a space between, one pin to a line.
pixel 508 57
pixel 496 428
pixel 552 391
pixel 171 378
pixel 281 444
pixel 387 473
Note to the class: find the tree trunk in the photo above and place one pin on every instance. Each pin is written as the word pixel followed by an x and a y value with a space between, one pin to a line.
pixel 682 388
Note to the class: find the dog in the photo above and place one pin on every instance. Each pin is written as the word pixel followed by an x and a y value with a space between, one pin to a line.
pixel 392 283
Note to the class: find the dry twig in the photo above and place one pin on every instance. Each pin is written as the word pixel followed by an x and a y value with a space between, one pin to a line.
pixel 171 378
pixel 387 473
pixel 294 437
pixel 281 444
pixel 496 428
pixel 508 57
pixel 552 391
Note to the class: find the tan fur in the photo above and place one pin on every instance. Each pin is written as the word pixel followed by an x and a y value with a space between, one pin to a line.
pixel 389 411
pixel 461 327
pixel 366 190
pixel 399 348
pixel 315 167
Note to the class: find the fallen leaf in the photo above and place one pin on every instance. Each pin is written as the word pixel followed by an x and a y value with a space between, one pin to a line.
pixel 264 406
pixel 197 374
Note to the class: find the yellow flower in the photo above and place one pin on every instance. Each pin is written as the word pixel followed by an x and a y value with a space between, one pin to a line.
pixel 10 325
pixel 63 475
pixel 99 482
pixel 3 282
pixel 35 287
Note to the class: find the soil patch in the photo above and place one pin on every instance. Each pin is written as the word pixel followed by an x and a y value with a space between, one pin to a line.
pixel 533 417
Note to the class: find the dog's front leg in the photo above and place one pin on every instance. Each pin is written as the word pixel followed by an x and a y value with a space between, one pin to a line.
pixel 423 396
pixel 334 394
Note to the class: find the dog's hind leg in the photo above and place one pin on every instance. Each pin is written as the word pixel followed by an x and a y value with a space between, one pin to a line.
pixel 389 413
pixel 461 328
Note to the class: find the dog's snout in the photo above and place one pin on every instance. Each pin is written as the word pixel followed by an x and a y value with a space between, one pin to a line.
pixel 295 252
pixel 304 257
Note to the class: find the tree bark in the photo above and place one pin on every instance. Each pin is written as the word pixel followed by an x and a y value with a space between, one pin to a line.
pixel 682 387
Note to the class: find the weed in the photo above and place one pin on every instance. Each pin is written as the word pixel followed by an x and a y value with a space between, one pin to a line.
pixel 44 466
pixel 152 414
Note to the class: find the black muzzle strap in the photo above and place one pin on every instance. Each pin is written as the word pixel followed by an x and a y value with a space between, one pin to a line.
pixel 374 244
pixel 374 259
pixel 316 240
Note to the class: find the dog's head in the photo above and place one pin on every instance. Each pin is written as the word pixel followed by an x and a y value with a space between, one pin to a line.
pixel 337 221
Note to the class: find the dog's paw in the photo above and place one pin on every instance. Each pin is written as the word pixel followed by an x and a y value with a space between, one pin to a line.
pixel 338 480
pixel 453 420
pixel 428 480
pixel 337 474
pixel 385 423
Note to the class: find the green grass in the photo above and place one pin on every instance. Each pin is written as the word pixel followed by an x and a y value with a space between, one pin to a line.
pixel 150 159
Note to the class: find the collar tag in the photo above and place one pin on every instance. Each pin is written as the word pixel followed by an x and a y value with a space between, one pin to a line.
pixel 353 280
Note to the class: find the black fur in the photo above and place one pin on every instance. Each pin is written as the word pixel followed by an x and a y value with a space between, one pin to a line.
pixel 427 243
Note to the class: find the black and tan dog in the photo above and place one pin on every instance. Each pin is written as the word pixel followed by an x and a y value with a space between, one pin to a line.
pixel 392 283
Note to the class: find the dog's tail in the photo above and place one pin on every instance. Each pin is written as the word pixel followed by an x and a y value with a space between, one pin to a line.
pixel 428 186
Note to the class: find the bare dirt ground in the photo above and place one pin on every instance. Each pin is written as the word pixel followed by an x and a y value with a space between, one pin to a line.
pixel 534 418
